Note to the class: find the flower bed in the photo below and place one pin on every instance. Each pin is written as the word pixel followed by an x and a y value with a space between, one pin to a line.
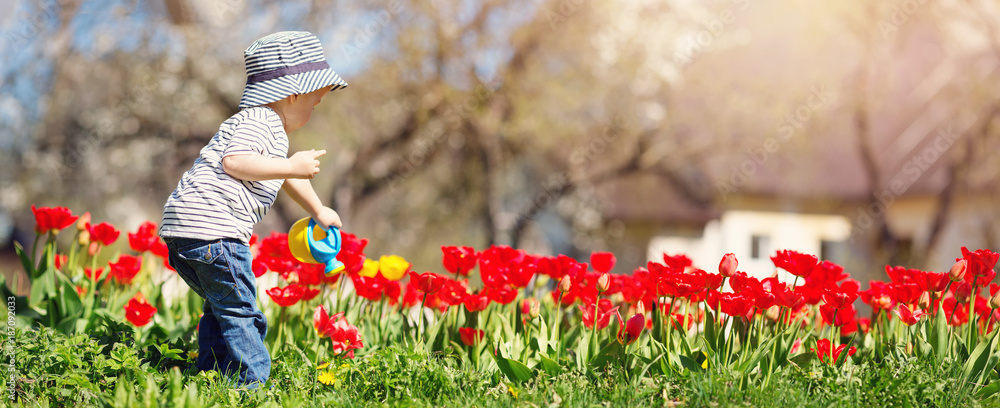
pixel 520 318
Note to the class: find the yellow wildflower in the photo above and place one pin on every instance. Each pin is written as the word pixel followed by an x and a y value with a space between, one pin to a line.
pixel 193 354
pixel 327 378
pixel 513 391
pixel 322 366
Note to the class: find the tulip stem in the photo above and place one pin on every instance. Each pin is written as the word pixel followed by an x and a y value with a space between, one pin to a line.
pixel 593 341
pixel 941 304
pixel 34 255
pixel 382 319
pixel 972 315
pixel 558 326
pixel 420 318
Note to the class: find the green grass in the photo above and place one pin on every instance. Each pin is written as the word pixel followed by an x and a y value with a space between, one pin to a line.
pixel 100 370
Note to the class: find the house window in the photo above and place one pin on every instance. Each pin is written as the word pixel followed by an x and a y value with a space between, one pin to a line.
pixel 760 246
pixel 832 251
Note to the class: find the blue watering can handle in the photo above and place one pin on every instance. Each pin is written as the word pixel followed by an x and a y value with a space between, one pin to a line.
pixel 332 237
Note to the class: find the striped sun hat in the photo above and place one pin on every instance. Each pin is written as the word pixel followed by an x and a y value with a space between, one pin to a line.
pixel 283 64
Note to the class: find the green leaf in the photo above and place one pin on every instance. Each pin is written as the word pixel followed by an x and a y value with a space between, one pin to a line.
pixel 513 369
pixel 612 350
pixel 988 390
pixel 690 364
pixel 29 269
pixel 710 330
pixel 976 365
pixel 802 359
pixel 542 337
pixel 549 365
pixel 36 298
pixel 583 350
pixel 69 300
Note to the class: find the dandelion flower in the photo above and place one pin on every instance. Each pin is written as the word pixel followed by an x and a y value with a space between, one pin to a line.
pixel 327 378
pixel 322 366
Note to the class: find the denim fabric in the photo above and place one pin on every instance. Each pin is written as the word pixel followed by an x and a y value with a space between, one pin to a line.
pixel 232 329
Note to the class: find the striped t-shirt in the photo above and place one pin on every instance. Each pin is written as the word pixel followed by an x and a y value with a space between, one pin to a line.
pixel 210 204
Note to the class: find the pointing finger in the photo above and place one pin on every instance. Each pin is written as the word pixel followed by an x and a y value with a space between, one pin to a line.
pixel 317 153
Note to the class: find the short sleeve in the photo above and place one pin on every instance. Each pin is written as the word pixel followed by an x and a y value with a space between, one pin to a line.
pixel 249 137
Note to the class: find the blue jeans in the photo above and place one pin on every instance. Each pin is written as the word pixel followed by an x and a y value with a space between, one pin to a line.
pixel 232 328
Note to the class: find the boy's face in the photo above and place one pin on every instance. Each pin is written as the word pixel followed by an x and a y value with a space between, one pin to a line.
pixel 300 108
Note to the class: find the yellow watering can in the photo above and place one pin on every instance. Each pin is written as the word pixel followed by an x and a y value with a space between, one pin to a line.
pixel 309 243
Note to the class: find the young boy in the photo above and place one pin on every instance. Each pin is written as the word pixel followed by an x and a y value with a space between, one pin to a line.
pixel 208 220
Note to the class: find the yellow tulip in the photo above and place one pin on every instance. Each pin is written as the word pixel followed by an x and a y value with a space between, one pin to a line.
pixel 370 269
pixel 393 267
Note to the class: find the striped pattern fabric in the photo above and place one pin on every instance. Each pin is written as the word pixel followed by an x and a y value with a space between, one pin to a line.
pixel 208 203
pixel 292 63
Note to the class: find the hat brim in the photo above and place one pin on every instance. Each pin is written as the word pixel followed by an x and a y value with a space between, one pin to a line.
pixel 262 93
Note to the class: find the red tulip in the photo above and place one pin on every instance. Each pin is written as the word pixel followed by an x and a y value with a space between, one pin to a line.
pixel 459 260
pixel 629 332
pixel 324 323
pixel 602 261
pixel 843 315
pixel 94 274
pixel 345 336
pixel 309 293
pixel 839 299
pixel 428 283
pixel 476 303
pixel 52 219
pixel 790 299
pixel 286 296
pixel 980 262
pixel 502 295
pixel 879 295
pixel 910 318
pixel 728 264
pixel 994 296
pixel 61 261
pixel 679 261
pixel 145 238
pixel 734 304
pixel 931 281
pixel 796 263
pixel 138 311
pixel 125 269
pixel 565 284
pixel 823 350
pixel 351 243
pixel 606 309
pixel 104 233
pixel 957 271
pixel 470 337
pixel 603 282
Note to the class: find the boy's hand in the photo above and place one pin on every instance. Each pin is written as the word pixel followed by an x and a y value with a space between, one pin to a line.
pixel 305 165
pixel 328 217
